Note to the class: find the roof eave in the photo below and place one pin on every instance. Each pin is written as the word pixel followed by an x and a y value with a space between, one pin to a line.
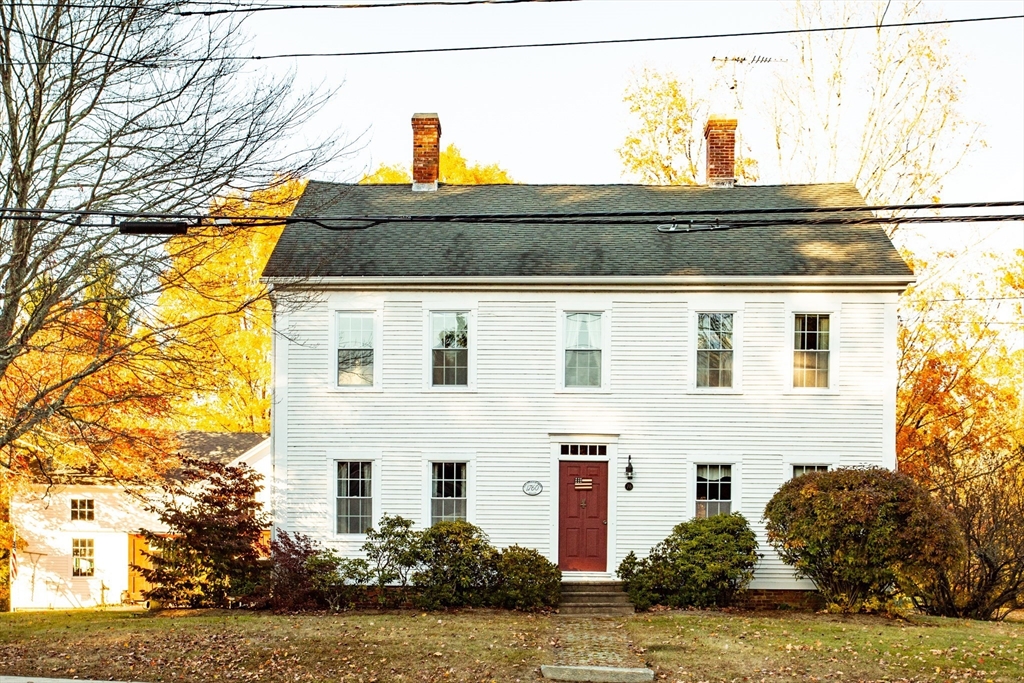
pixel 816 283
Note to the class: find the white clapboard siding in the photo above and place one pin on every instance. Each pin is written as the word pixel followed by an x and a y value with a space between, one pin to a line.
pixel 509 423
pixel 763 473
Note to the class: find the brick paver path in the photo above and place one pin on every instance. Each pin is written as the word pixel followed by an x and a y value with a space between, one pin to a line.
pixel 593 641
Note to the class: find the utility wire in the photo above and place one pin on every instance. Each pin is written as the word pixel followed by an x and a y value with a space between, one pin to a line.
pixel 253 8
pixel 616 41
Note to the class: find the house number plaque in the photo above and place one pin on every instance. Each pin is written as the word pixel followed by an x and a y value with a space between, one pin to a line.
pixel 533 488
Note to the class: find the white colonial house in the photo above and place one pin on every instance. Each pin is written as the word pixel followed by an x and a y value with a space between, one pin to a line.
pixel 78 539
pixel 583 378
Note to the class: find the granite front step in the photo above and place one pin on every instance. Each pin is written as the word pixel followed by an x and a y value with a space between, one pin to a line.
pixel 596 609
pixel 590 596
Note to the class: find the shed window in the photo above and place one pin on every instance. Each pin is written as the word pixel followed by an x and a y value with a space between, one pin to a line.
pixel 83 509
pixel 83 557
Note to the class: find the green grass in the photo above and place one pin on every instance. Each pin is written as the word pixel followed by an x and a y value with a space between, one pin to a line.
pixel 472 645
pixel 776 646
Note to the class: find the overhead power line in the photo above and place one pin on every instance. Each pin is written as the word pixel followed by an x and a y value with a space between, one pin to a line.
pixel 620 41
pixel 246 8
pixel 682 221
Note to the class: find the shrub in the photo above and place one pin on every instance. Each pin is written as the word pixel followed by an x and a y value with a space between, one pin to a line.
pixel 305 575
pixel 458 566
pixel 526 580
pixel 703 563
pixel 391 554
pixel 211 551
pixel 856 532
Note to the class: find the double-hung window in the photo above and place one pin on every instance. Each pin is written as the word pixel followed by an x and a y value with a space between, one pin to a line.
pixel 355 500
pixel 583 349
pixel 83 557
pixel 355 332
pixel 799 470
pixel 810 350
pixel 82 509
pixel 714 490
pixel 715 350
pixel 448 491
pixel 449 348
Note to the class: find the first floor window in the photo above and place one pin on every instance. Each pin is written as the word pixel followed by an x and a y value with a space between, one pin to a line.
pixel 82 509
pixel 355 502
pixel 447 491
pixel 449 352
pixel 583 349
pixel 714 350
pixel 804 469
pixel 355 349
pixel 83 556
pixel 810 351
pixel 714 490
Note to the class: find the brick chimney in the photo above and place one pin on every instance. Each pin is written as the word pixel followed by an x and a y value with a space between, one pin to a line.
pixel 720 142
pixel 426 151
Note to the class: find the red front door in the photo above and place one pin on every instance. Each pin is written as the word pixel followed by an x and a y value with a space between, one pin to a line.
pixel 583 516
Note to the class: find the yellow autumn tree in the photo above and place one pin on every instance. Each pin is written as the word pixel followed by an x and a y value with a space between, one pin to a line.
pixel 455 169
pixel 232 344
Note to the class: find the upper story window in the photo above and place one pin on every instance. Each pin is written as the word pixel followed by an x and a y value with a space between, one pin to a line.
pixel 804 469
pixel 715 350
pixel 714 490
pixel 449 348
pixel 355 502
pixel 583 349
pixel 355 348
pixel 448 491
pixel 810 350
pixel 83 509
pixel 83 557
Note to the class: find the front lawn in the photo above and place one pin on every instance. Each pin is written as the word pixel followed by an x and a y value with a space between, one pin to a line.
pixel 211 645
pixel 776 646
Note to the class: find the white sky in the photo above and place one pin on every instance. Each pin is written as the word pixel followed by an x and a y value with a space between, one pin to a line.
pixel 555 115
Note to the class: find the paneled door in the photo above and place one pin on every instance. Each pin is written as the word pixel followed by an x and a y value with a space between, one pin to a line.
pixel 137 546
pixel 583 516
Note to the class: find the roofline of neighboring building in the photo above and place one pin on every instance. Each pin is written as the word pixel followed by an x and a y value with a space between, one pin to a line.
pixel 816 283
pixel 244 457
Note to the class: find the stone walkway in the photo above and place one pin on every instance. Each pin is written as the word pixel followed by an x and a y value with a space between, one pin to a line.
pixel 593 641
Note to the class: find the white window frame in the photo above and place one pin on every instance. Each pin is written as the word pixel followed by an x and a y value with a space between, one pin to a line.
pixel 606 346
pixel 71 507
pixel 737 351
pixel 428 346
pixel 712 459
pixel 793 465
pixel 833 349
pixel 94 572
pixel 334 456
pixel 460 456
pixel 378 329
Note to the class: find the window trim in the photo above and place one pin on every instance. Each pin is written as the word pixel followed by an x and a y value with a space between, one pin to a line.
pixel 793 465
pixel 428 361
pixel 93 573
pixel 606 355
pixel 460 456
pixel 332 361
pixel 833 350
pixel 91 509
pixel 737 352
pixel 336 455
pixel 712 459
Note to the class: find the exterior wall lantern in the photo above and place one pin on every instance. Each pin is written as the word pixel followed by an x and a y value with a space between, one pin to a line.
pixel 629 472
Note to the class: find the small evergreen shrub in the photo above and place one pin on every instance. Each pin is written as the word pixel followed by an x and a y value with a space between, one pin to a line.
pixel 703 563
pixel 457 566
pixel 859 533
pixel 526 580
pixel 392 552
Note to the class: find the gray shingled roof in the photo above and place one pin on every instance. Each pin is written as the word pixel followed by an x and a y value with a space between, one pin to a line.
pixel 220 447
pixel 481 249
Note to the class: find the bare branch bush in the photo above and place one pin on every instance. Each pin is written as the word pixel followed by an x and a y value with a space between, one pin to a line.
pixel 119 107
